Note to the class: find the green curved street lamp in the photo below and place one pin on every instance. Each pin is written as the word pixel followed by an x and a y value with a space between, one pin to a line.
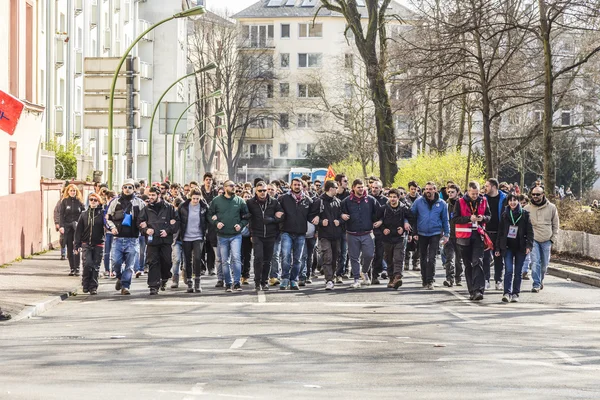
pixel 199 10
pixel 216 94
pixel 207 67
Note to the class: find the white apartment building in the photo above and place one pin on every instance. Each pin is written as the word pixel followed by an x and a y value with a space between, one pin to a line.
pixel 74 30
pixel 301 52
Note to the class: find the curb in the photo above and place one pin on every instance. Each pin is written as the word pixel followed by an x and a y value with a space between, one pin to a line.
pixel 574 276
pixel 39 308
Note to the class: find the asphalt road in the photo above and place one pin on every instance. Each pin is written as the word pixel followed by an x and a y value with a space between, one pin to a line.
pixel 371 343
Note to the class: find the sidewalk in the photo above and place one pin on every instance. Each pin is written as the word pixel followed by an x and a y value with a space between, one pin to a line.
pixel 30 286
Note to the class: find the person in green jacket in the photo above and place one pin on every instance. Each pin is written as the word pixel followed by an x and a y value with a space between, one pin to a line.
pixel 229 213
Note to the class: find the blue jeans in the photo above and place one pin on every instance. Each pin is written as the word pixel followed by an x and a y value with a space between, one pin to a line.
pixel 341 266
pixel 125 250
pixel 141 261
pixel 527 263
pixel 292 247
pixel 108 240
pixel 276 260
pixel 178 259
pixel 513 271
pixel 231 246
pixel 540 258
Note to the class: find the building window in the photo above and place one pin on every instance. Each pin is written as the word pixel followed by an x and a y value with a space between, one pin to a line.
pixel 538 116
pixel 285 60
pixel 303 149
pixel 283 149
pixel 269 90
pixel 310 30
pixel 12 167
pixel 284 121
pixel 309 121
pixel 347 121
pixel 285 31
pixel 257 150
pixel 349 33
pixel 348 90
pixel 565 118
pixel 308 90
pixel 258 36
pixel 284 89
pixel 309 60
pixel 261 123
pixel 349 61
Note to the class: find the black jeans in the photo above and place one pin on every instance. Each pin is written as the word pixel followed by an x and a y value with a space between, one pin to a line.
pixel 498 261
pixel 92 258
pixel 378 256
pixel 208 252
pixel 330 251
pixel 246 256
pixel 472 256
pixel 307 258
pixel 69 241
pixel 263 255
pixel 192 255
pixel 428 247
pixel 453 264
pixel 393 253
pixel 159 264
pixel 412 247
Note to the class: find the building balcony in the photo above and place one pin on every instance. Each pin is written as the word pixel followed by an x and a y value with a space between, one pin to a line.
pixel 256 44
pixel 258 134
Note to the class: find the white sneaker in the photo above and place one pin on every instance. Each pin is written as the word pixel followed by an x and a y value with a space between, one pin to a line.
pixel 355 285
pixel 487 285
pixel 506 298
pixel 365 279
pixel 329 285
pixel 499 286
pixel 514 298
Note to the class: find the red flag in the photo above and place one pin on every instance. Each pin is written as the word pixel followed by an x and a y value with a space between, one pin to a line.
pixel 10 112
pixel 330 174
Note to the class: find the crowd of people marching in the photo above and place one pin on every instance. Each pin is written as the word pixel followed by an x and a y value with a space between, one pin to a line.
pixel 352 233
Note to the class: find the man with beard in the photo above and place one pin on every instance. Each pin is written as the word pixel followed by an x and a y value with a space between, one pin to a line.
pixel 342 264
pixel 411 245
pixel 450 252
pixel 471 213
pixel 359 210
pixel 377 193
pixel 298 210
pixel 122 218
pixel 209 192
pixel 394 216
pixel 265 215
pixel 431 214
pixel 330 231
pixel 544 219
pixel 497 201
pixel 159 222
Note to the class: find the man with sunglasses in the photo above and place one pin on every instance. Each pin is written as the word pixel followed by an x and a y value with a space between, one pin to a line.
pixel 229 213
pixel 265 215
pixel 122 218
pixel 544 219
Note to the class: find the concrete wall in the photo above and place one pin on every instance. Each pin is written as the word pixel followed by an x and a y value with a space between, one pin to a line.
pixel 579 243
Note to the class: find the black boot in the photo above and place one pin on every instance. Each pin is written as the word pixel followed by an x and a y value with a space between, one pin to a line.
pixel 197 287
pixel 190 289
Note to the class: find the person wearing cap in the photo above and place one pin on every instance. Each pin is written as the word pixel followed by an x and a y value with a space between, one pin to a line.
pixel 122 218
pixel 89 239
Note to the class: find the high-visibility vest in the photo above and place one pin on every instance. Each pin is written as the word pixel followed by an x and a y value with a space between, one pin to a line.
pixel 463 231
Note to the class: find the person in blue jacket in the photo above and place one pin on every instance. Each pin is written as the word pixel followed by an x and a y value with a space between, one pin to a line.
pixel 431 214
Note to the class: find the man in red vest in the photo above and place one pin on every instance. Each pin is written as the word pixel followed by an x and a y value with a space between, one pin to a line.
pixel 471 213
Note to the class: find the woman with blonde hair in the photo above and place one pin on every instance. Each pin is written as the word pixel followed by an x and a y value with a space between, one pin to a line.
pixel 71 208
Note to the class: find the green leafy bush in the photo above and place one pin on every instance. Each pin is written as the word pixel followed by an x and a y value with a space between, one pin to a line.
pixel 65 158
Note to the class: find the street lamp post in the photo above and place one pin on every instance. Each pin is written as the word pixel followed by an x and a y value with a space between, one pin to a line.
pixel 207 67
pixel 215 94
pixel 183 14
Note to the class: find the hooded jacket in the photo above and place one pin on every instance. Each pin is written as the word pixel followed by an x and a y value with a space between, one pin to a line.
pixel 330 209
pixel 363 213
pixel 392 219
pixel 263 222
pixel 158 216
pixel 90 228
pixel 432 217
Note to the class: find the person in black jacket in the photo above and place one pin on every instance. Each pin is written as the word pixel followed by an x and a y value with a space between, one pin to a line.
pixel 70 209
pixel 359 210
pixel 330 231
pixel 394 217
pixel 265 215
pixel 514 242
pixel 159 221
pixel 298 209
pixel 193 216
pixel 377 193
pixel 89 236
pixel 451 252
pixel 342 264
pixel 209 192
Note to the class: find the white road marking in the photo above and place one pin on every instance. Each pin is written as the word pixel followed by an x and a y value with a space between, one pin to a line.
pixel 236 351
pixel 357 340
pixel 402 337
pixel 398 320
pixel 312 386
pixel 437 344
pixel 460 297
pixel 262 298
pixel 238 343
pixel 566 357
pixel 459 315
